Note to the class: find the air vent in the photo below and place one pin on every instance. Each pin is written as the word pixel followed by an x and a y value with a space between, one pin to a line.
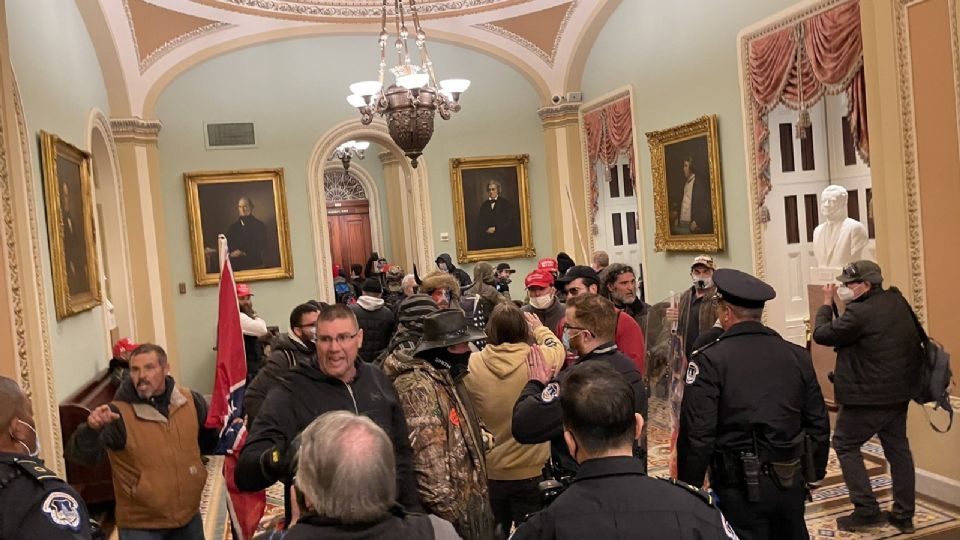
pixel 231 135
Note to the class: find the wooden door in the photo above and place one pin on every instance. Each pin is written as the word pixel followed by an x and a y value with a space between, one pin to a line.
pixel 350 239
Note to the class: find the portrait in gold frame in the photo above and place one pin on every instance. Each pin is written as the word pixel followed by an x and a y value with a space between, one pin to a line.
pixel 68 194
pixel 489 231
pixel 680 157
pixel 249 206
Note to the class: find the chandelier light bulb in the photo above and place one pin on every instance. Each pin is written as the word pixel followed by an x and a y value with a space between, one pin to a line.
pixel 455 86
pixel 362 145
pixel 413 80
pixel 357 101
pixel 365 88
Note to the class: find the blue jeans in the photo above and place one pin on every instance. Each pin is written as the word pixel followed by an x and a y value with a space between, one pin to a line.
pixel 190 531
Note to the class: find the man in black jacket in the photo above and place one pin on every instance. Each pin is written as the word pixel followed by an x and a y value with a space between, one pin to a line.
pixel 375 319
pixel 339 381
pixel 591 322
pixel 289 350
pixel 750 403
pixel 445 264
pixel 611 497
pixel 877 370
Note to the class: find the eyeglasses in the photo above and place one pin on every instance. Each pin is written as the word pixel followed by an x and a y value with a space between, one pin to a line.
pixel 571 327
pixel 339 338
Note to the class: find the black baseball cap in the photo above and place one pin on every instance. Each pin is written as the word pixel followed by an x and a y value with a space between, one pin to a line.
pixel 504 266
pixel 868 271
pixel 577 272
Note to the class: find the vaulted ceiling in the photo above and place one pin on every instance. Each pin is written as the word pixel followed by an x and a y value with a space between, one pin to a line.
pixel 144 44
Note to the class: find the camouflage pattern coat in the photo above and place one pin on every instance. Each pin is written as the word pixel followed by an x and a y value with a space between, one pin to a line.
pixel 447 444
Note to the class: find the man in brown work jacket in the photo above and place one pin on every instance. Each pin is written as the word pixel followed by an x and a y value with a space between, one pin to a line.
pixel 153 434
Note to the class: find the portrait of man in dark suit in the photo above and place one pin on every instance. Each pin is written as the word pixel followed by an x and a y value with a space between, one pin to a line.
pixel 491 211
pixel 688 187
pixel 74 237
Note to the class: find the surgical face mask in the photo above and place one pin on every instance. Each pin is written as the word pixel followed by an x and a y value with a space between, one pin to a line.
pixel 541 302
pixel 36 452
pixel 846 293
pixel 442 266
pixel 567 337
pixel 702 282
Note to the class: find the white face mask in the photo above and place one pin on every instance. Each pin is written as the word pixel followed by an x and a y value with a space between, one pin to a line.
pixel 702 282
pixel 541 302
pixel 846 294
pixel 36 452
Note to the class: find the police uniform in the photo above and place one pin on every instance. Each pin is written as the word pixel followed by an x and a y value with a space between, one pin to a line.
pixel 753 414
pixel 611 498
pixel 35 504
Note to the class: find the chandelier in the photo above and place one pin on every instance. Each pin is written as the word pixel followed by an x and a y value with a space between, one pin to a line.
pixel 408 105
pixel 347 150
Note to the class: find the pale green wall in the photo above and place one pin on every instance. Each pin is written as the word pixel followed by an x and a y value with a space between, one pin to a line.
pixel 59 80
pixel 294 91
pixel 680 57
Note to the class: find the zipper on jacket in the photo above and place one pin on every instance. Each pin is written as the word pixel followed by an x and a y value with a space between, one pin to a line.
pixel 350 391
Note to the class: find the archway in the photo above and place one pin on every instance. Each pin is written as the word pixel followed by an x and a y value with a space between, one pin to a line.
pixel 414 204
pixel 111 233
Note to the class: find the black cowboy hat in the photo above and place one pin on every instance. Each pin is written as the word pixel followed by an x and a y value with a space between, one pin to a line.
pixel 445 328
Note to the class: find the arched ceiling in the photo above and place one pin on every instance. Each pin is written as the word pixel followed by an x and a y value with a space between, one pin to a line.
pixel 145 44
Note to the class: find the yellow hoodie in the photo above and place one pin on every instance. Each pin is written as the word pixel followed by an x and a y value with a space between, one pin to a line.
pixel 497 375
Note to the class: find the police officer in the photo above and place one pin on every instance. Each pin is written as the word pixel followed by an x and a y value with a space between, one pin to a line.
pixel 34 503
pixel 753 413
pixel 591 323
pixel 610 497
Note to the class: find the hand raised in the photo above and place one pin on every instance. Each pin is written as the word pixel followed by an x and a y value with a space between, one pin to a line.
pixel 673 314
pixel 101 416
pixel 533 322
pixel 828 292
pixel 537 368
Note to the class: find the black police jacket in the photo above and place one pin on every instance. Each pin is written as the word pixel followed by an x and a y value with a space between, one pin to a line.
pixel 34 503
pixel 750 385
pixel 877 347
pixel 611 498
pixel 537 416
pixel 305 394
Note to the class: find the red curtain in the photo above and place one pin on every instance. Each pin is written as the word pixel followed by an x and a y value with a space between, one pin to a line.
pixel 609 133
pixel 830 61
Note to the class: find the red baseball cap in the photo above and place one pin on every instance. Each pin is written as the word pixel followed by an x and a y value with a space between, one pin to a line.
pixel 123 346
pixel 243 290
pixel 548 265
pixel 538 278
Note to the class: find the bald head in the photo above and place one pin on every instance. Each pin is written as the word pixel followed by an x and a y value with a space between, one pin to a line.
pixel 13 402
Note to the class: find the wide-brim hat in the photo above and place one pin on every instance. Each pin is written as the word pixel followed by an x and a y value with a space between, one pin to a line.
pixel 445 328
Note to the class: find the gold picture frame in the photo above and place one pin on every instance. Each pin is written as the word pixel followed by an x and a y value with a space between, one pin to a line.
pixel 678 154
pixel 216 202
pixel 485 231
pixel 68 194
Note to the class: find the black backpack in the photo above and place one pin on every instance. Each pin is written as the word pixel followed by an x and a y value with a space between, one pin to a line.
pixel 935 374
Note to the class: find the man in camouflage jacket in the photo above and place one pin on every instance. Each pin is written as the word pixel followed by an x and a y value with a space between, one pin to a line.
pixel 448 443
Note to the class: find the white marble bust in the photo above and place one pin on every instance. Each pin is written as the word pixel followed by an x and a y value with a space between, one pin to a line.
pixel 839 240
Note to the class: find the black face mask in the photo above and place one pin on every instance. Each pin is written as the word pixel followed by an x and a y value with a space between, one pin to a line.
pixel 455 362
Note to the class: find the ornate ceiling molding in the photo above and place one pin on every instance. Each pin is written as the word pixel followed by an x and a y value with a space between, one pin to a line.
pixel 514 29
pixel 135 130
pixel 182 28
pixel 354 11
pixel 554 116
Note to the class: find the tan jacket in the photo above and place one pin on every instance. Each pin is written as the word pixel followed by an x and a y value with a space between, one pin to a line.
pixel 497 375
pixel 158 476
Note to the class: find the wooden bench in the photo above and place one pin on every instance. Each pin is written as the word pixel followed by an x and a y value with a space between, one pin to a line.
pixel 94 484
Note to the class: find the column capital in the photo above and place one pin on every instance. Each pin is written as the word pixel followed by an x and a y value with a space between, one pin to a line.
pixel 556 116
pixel 135 129
pixel 388 158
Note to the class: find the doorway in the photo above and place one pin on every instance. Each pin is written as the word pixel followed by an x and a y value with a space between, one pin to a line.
pixel 348 219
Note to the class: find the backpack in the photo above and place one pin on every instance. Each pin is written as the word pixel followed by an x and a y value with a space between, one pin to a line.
pixel 935 374
pixel 343 293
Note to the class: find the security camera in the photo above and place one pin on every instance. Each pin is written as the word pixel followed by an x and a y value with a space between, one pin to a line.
pixel 557 99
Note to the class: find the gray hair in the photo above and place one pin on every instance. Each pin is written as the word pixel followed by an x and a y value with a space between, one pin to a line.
pixel 407 281
pixel 147 348
pixel 347 468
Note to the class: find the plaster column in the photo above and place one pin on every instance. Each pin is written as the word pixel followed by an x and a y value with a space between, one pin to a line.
pixel 565 184
pixel 397 202
pixel 153 290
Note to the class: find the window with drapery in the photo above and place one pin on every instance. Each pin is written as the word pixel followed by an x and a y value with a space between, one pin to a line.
pixel 608 132
pixel 796 66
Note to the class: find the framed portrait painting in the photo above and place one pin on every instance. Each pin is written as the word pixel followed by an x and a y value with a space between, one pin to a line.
pixel 687 191
pixel 248 207
pixel 68 194
pixel 491 208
